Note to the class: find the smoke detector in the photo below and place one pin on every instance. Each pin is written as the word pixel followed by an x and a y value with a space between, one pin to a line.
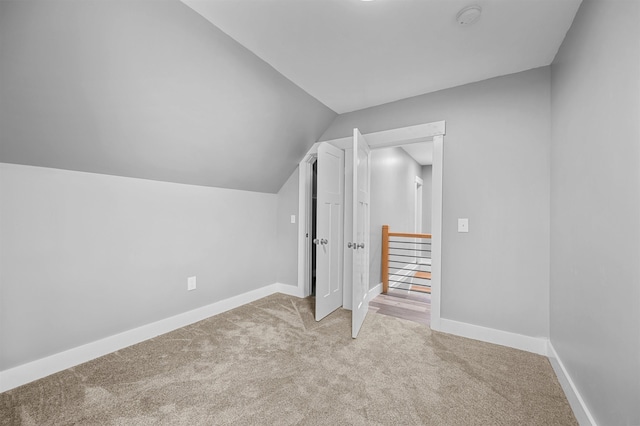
pixel 469 15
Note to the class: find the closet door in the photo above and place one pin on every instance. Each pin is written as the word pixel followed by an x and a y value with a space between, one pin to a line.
pixel 329 230
pixel 360 230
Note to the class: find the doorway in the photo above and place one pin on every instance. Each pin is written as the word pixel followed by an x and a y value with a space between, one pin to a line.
pixel 401 254
pixel 417 206
pixel 395 137
pixel 314 215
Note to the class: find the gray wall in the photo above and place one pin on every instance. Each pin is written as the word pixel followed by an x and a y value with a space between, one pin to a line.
pixel 84 256
pixel 393 176
pixel 496 173
pixel 427 192
pixel 146 89
pixel 595 208
pixel 287 249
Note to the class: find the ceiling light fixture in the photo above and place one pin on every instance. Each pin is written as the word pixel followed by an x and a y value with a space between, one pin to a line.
pixel 469 15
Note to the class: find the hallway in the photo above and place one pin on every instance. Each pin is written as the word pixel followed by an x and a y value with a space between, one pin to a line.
pixel 409 305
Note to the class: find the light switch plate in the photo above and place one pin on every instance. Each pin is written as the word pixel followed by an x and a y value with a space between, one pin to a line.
pixel 191 283
pixel 463 225
pixel 293 218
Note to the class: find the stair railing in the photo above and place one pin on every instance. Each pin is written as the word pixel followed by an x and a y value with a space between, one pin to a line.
pixel 406 261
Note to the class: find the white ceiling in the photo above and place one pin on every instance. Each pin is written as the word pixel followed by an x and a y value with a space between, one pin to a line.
pixel 352 54
pixel 421 152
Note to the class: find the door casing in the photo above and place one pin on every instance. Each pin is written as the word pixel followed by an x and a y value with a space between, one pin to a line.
pixel 329 227
pixel 434 132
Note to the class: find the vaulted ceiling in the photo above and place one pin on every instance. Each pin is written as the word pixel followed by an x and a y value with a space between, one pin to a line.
pixel 152 89
pixel 353 54
pixel 146 89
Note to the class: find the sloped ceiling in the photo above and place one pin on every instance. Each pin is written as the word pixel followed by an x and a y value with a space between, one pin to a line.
pixel 352 54
pixel 146 89
pixel 151 89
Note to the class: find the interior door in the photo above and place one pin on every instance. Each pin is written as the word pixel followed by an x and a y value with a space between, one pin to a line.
pixel 329 225
pixel 360 238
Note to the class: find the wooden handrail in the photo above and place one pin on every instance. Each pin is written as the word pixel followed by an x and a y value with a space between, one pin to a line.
pixel 404 234
pixel 385 258
pixel 385 254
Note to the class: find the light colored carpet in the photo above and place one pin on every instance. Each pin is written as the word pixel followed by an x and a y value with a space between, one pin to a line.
pixel 270 363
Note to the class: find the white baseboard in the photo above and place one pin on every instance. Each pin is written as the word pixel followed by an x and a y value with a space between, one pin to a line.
pixel 579 407
pixel 291 290
pixel 537 345
pixel 43 367
pixel 372 293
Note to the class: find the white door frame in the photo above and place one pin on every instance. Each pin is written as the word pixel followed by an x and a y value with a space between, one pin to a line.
pixel 435 132
pixel 417 206
pixel 417 216
pixel 304 222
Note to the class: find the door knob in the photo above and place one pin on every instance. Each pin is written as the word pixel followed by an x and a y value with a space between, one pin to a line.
pixel 324 241
pixel 349 244
pixel 361 245
pixel 316 241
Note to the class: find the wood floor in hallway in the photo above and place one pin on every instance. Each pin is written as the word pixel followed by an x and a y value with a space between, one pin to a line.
pixel 408 305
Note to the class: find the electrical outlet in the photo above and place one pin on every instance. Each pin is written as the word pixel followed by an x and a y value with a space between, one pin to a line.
pixel 191 283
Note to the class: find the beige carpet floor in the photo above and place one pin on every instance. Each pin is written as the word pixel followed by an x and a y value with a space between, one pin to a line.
pixel 270 363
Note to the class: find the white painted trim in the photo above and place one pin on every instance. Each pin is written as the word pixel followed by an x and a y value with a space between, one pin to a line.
pixel 303 181
pixel 417 207
pixel 537 345
pixel 579 407
pixel 436 230
pixel 394 137
pixel 374 292
pixel 289 289
pixel 43 367
pixel 302 222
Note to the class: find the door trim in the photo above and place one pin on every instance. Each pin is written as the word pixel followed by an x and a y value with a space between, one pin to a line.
pixel 305 176
pixel 436 230
pixel 433 131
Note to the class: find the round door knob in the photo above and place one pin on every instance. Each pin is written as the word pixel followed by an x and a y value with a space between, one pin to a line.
pixel 361 245
pixel 316 241
pixel 324 241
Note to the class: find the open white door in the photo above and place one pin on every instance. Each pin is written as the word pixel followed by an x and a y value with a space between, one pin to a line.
pixel 329 223
pixel 360 239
